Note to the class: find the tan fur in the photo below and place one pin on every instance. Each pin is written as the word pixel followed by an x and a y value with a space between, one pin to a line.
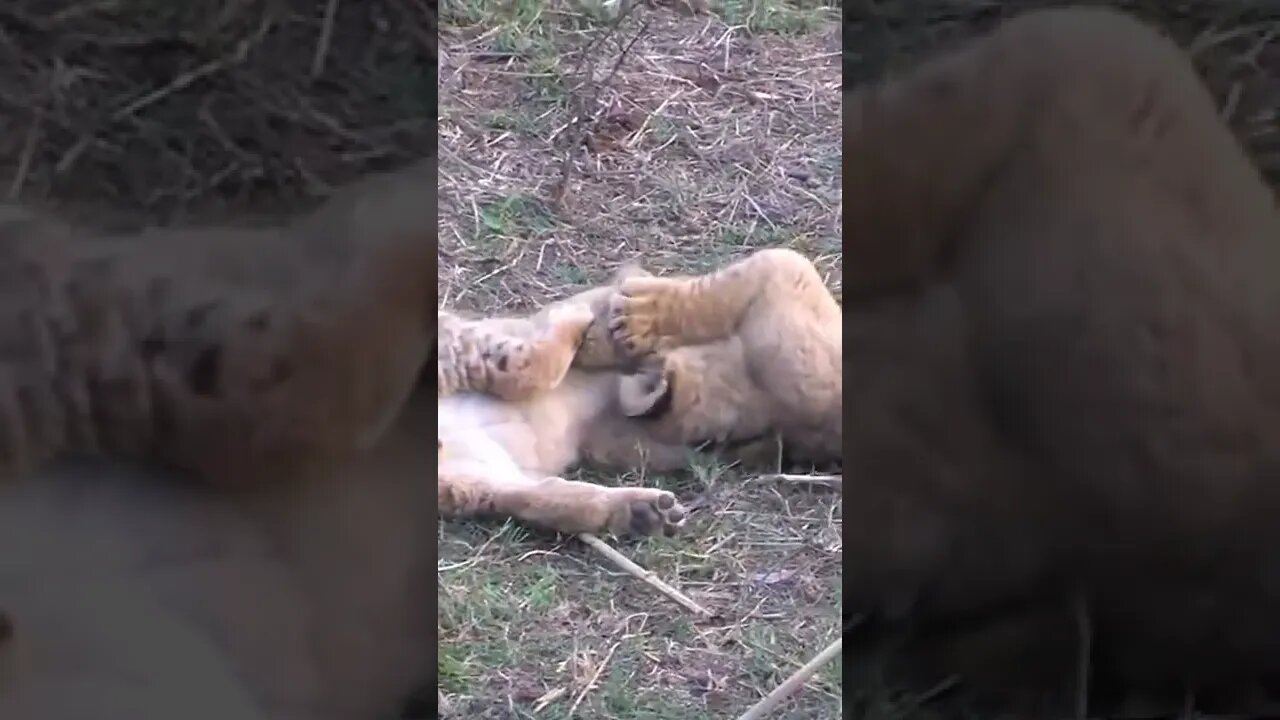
pixel 504 444
pixel 754 347
pixel 136 594
pixel 515 358
pixel 277 361
pixel 511 358
pixel 516 415
pixel 238 355
pixel 1064 349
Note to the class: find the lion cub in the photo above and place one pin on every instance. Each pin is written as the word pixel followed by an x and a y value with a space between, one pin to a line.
pixel 733 358
pixel 514 415
pixel 749 350
pixel 240 356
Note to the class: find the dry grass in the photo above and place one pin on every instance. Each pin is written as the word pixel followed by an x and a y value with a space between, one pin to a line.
pixel 130 111
pixel 706 136
pixel 709 140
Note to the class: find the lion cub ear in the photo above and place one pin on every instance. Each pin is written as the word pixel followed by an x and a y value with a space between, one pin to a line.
pixel 628 270
pixel 645 393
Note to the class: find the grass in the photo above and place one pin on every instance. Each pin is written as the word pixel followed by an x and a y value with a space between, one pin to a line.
pixel 786 18
pixel 717 134
pixel 528 620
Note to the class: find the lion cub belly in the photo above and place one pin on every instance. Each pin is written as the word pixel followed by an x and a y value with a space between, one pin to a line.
pixel 541 436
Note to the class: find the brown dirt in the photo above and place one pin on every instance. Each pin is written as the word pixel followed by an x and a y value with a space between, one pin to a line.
pixel 705 142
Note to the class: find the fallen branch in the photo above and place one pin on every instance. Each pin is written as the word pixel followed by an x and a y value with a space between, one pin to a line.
pixel 626 564
pixel 793 683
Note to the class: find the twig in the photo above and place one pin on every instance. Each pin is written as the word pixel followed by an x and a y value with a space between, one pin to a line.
pixel 326 37
pixel 835 482
pixel 793 683
pixel 238 55
pixel 626 564
pixel 594 677
pixel 585 109
pixel 186 79
pixel 28 152
pixel 547 698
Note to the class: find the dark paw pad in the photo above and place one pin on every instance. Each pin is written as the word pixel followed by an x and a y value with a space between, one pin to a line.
pixel 620 332
pixel 621 339
pixel 660 513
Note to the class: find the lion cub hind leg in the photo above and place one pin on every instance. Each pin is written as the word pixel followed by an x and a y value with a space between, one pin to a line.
pixel 510 358
pixel 652 314
pixel 566 506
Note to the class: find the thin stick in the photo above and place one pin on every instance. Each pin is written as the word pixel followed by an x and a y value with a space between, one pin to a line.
pixel 326 37
pixel 592 682
pixel 238 55
pixel 793 683
pixel 182 81
pixel 836 482
pixel 548 697
pixel 28 152
pixel 625 563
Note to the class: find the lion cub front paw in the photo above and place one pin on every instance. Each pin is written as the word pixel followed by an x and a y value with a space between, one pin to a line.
pixel 645 511
pixel 637 313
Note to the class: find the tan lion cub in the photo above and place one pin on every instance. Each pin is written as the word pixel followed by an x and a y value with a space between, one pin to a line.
pixel 754 353
pixel 749 350
pixel 513 416
pixel 241 356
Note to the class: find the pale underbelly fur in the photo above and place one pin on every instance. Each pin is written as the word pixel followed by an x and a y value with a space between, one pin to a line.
pixel 521 441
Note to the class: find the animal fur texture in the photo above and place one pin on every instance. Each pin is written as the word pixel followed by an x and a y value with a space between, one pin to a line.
pixel 747 352
pixel 236 355
pixel 1063 319
pixel 277 561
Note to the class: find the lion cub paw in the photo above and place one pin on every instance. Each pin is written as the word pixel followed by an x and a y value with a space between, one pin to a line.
pixel 645 511
pixel 645 392
pixel 638 313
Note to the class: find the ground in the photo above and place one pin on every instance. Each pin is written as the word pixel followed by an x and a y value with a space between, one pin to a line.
pixel 125 112
pixel 710 135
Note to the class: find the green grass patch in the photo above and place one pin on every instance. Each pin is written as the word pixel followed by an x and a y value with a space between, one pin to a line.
pixel 782 17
